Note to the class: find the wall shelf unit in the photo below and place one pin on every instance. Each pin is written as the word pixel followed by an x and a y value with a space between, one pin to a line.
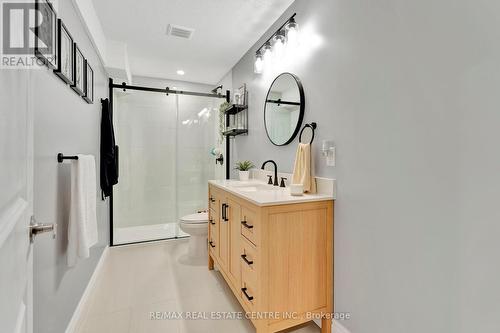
pixel 235 132
pixel 236 114
pixel 235 109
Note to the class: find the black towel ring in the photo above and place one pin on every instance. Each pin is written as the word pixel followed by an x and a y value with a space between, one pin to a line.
pixel 312 126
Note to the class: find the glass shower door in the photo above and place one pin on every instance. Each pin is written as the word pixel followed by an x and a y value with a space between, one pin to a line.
pixel 165 162
pixel 144 200
pixel 196 135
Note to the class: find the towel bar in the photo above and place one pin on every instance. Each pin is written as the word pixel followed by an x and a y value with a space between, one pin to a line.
pixel 61 157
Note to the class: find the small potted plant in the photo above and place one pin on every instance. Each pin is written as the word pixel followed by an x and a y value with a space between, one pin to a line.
pixel 243 167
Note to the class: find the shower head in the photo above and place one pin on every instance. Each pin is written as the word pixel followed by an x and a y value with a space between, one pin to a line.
pixel 216 88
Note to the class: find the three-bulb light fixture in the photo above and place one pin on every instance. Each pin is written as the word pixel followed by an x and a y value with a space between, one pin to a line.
pixel 274 46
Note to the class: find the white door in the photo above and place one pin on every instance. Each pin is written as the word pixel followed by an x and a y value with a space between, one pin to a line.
pixel 16 202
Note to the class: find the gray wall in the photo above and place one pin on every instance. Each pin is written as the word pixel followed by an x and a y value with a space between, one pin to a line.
pixel 64 122
pixel 408 90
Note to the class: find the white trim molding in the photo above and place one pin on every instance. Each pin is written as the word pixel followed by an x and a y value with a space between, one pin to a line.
pixel 92 25
pixel 337 327
pixel 10 217
pixel 78 314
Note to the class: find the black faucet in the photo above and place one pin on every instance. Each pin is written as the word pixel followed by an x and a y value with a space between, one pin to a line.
pixel 275 172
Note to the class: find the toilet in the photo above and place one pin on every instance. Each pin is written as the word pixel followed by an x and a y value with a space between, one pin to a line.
pixel 196 225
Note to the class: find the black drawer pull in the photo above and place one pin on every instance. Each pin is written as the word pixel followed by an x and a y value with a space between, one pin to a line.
pixel 244 257
pixel 212 199
pixel 246 225
pixel 211 244
pixel 244 290
pixel 212 222
pixel 224 212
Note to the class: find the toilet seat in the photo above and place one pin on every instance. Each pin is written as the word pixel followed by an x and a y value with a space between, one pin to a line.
pixel 198 218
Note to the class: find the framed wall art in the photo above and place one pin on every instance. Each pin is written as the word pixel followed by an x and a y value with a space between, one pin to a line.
pixel 89 84
pixel 65 54
pixel 46 33
pixel 79 69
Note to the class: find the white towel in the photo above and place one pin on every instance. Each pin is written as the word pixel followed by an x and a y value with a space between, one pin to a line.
pixel 82 228
pixel 303 170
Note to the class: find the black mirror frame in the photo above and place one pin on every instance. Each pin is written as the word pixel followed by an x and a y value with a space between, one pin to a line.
pixel 302 108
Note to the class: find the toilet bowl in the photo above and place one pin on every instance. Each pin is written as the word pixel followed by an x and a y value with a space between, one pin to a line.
pixel 196 225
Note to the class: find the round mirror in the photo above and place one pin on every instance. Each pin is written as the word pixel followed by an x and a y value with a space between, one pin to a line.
pixel 284 109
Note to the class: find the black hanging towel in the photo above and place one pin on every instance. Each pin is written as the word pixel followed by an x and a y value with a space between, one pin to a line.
pixel 109 152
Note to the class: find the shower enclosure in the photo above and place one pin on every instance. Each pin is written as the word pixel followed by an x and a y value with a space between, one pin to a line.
pixel 165 163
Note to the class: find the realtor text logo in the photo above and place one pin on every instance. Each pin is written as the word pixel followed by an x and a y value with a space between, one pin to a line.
pixel 28 32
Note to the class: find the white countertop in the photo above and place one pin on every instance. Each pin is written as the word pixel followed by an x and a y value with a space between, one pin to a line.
pixel 261 194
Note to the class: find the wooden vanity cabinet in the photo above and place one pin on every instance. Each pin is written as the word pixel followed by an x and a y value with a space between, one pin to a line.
pixel 277 260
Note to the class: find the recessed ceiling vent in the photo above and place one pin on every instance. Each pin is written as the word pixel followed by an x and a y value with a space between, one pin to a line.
pixel 179 31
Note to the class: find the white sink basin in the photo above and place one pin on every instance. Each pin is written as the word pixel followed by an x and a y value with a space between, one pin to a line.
pixel 257 188
pixel 248 186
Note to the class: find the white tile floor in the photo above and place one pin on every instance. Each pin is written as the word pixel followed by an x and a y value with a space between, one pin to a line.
pixel 158 276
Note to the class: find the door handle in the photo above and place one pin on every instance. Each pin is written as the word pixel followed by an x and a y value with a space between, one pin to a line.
pixel 36 228
pixel 225 213
pixel 211 244
pixel 212 222
pixel 244 257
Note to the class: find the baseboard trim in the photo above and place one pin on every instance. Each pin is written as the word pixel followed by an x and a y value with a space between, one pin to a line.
pixel 337 327
pixel 86 294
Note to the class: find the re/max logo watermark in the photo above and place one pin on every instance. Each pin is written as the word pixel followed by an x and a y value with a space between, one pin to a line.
pixel 28 34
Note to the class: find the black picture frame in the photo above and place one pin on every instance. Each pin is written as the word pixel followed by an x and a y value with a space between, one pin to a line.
pixel 89 84
pixel 65 44
pixel 79 70
pixel 302 102
pixel 47 32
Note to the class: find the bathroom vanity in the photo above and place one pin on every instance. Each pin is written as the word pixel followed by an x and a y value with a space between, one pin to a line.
pixel 275 252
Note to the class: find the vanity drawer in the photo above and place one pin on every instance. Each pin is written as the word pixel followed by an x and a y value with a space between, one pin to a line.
pixel 214 200
pixel 213 241
pixel 248 257
pixel 248 288
pixel 213 218
pixel 249 224
pixel 213 233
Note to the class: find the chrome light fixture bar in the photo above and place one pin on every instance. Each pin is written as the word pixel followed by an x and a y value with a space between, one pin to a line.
pixel 279 36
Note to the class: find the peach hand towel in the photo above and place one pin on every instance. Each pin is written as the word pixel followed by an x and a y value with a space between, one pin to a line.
pixel 303 170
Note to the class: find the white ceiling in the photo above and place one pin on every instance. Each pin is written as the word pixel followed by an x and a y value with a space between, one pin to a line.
pixel 224 31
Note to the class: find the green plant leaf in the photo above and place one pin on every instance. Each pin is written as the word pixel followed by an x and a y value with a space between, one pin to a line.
pixel 244 165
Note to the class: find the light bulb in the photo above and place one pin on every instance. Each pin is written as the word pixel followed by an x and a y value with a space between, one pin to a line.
pixel 267 54
pixel 292 34
pixel 279 46
pixel 259 63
